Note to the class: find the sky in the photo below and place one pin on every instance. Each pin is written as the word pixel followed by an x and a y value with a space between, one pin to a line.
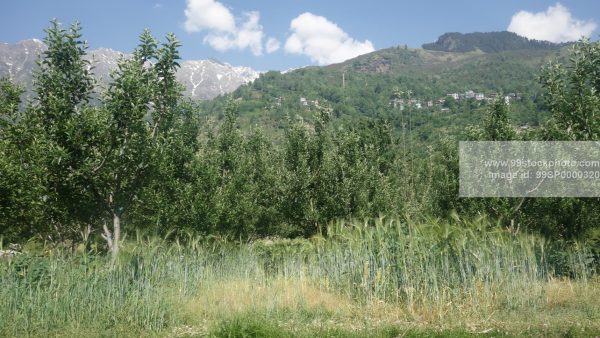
pixel 279 35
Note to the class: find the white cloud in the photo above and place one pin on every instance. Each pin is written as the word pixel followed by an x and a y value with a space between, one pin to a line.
pixel 249 35
pixel 323 41
pixel 210 15
pixel 556 24
pixel 272 45
pixel 223 30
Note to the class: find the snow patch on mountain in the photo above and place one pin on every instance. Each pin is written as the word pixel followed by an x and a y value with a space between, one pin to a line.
pixel 202 79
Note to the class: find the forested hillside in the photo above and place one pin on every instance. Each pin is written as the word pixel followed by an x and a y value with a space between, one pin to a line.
pixel 366 86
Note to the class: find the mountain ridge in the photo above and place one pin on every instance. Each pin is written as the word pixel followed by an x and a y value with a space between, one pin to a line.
pixel 202 79
pixel 488 42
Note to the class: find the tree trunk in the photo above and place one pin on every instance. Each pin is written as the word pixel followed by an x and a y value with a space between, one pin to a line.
pixel 113 237
pixel 116 235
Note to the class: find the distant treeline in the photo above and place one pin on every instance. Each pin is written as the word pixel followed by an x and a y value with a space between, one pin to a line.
pixel 489 42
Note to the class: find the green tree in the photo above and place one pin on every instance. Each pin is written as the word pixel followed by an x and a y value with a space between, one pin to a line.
pixel 63 85
pixel 232 197
pixel 167 204
pixel 138 113
pixel 497 126
pixel 24 152
pixel 296 205
pixel 572 93
pixel 10 100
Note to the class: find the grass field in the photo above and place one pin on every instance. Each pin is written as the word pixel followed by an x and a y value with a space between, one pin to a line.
pixel 382 278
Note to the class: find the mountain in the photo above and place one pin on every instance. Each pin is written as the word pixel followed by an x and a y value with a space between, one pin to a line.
pixel 430 75
pixel 203 79
pixel 206 79
pixel 362 88
pixel 17 61
pixel 489 42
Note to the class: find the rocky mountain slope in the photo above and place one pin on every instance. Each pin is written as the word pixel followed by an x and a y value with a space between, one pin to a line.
pixel 203 79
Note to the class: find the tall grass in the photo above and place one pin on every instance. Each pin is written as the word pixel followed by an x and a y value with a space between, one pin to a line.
pixel 433 264
pixel 432 271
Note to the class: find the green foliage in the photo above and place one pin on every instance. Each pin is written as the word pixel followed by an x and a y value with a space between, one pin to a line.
pixel 64 80
pixel 244 185
pixel 17 184
pixel 128 154
pixel 86 165
pixel 570 96
pixel 31 271
pixel 63 88
pixel 249 327
pixel 166 204
pixel 138 156
pixel 497 126
pixel 24 197
pixel 10 99
pixel 573 94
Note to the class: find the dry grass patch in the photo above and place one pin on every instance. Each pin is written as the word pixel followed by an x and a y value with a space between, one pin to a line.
pixel 299 304
pixel 216 298
pixel 561 292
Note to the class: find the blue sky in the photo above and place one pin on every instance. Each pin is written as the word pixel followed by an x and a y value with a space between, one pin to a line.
pixel 270 34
